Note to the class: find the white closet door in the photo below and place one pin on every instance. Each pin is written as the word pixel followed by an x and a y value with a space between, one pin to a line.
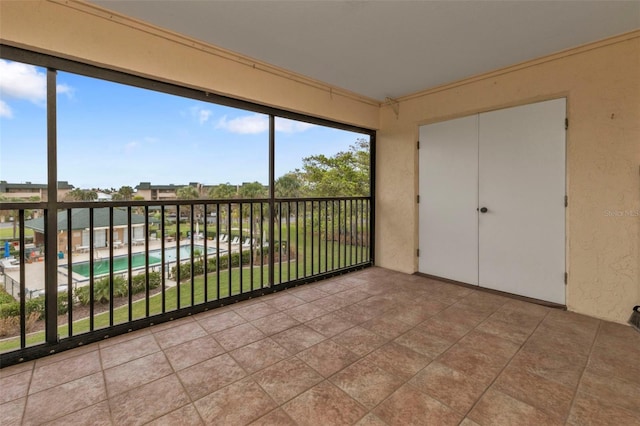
pixel 448 188
pixel 522 185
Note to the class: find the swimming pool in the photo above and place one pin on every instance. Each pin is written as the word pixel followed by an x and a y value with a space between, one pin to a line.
pixel 121 263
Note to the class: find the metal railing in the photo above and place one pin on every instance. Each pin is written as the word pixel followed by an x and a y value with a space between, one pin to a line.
pixel 125 265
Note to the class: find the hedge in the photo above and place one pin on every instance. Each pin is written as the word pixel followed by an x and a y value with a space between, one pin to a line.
pixel 212 266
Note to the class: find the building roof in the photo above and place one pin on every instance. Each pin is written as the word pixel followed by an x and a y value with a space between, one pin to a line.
pixel 5 186
pixel 80 219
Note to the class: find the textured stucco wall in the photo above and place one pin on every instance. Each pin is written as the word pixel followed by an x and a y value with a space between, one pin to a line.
pixel 77 30
pixel 602 85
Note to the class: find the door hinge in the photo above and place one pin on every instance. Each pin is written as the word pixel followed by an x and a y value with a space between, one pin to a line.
pixel 566 201
pixel 417 252
pixel 417 199
pixel 566 277
pixel 418 145
pixel 566 123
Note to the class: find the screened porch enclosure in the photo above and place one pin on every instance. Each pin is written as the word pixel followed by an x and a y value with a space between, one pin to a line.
pixel 109 262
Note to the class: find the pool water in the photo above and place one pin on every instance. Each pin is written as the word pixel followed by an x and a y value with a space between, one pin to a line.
pixel 121 263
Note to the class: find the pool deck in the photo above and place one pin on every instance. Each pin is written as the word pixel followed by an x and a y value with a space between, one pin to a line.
pixel 35 272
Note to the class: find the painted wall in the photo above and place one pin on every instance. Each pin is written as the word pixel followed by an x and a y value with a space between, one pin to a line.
pixel 602 84
pixel 82 31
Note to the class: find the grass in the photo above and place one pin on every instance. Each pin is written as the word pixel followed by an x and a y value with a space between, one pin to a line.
pixel 7 233
pixel 229 284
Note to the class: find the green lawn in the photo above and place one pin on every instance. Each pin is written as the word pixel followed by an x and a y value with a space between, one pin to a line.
pixel 228 284
pixel 7 233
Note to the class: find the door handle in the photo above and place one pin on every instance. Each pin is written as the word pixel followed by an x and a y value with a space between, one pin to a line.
pixel 484 210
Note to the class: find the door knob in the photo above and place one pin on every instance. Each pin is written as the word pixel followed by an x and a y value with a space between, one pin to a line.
pixel 484 210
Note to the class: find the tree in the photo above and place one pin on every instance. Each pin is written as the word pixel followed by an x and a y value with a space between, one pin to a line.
pixel 289 185
pixel 187 193
pixel 252 190
pixel 224 191
pixel 126 192
pixel 78 194
pixel 344 174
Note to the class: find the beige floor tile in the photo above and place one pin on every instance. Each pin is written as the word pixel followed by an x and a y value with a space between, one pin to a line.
pixel 324 404
pixel 259 355
pixel 187 415
pixel 275 323
pixel 366 383
pixel 95 415
pixel 119 353
pixel 327 357
pixel 180 334
pixel 359 340
pixel 14 386
pixel 209 376
pixel 148 402
pixel 409 406
pixel 330 324
pixel 399 360
pixel 193 352
pixel 239 403
pixel 497 408
pixel 221 321
pixel 65 370
pixel 453 388
pixel 66 398
pixel 298 338
pixel 238 336
pixel 287 379
pixel 546 395
pixel 277 417
pixel 591 411
pixel 132 374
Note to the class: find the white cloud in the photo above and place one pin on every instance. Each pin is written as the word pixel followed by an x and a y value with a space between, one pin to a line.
pixel 200 114
pixel 5 111
pixel 27 82
pixel 247 125
pixel 22 81
pixel 63 89
pixel 257 123
pixel 290 126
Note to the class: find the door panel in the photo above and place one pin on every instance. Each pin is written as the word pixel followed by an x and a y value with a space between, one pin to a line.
pixel 448 188
pixel 522 184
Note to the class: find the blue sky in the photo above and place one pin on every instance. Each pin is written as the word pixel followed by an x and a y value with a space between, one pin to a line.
pixel 110 135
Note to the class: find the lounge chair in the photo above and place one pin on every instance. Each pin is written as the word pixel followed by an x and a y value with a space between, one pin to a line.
pixel 223 238
pixel 236 240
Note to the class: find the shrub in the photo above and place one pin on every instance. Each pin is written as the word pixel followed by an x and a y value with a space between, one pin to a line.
pixel 63 303
pixel 10 310
pixel 212 266
pixel 35 305
pixel 11 325
pixel 101 290
pixel 5 297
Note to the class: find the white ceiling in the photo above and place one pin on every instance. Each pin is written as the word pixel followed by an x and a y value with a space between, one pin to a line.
pixel 388 48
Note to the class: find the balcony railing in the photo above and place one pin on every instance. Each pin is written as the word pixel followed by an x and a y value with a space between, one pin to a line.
pixel 112 267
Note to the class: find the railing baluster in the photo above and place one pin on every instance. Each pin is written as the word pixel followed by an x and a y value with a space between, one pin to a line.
pixel 129 263
pixel 91 270
pixel 23 283
pixel 326 236
pixel 163 263
pixel 240 219
pixel 218 251
pixel 69 274
pixel 111 282
pixel 193 249
pixel 229 257
pixel 146 262
pixel 205 265
pixel 178 268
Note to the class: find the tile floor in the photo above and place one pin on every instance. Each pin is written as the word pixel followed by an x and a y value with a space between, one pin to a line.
pixel 371 348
